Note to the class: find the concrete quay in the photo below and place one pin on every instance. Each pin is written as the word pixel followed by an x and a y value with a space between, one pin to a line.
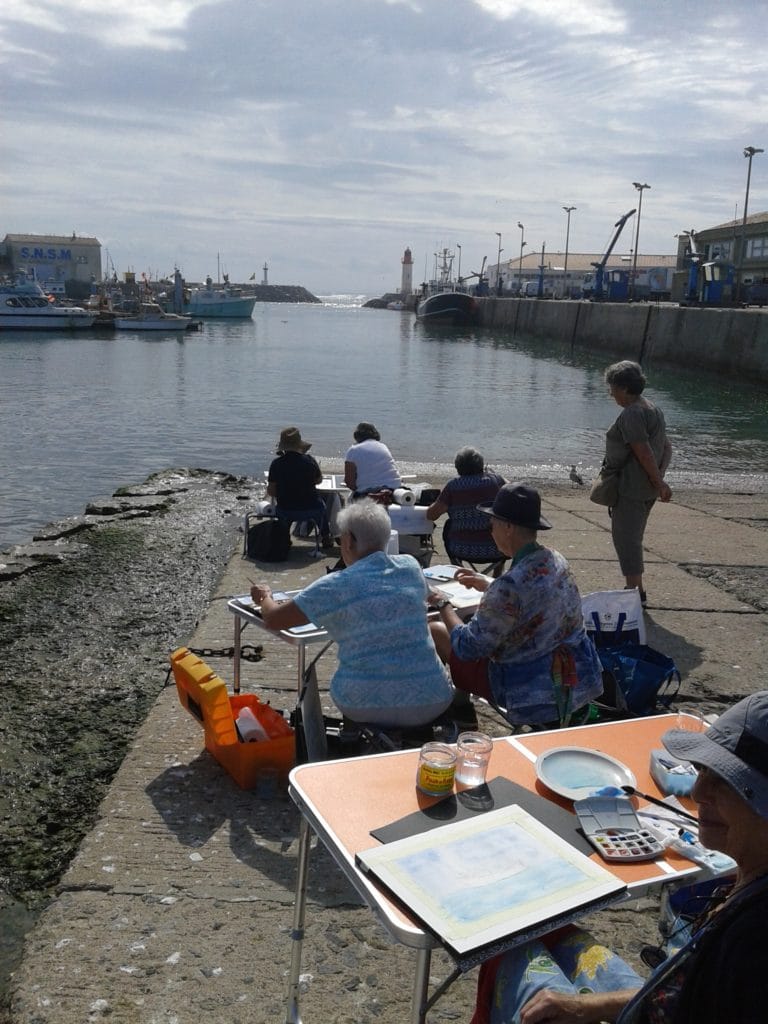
pixel 177 907
pixel 728 341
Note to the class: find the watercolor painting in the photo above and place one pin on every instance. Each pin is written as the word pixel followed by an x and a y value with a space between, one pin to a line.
pixel 478 880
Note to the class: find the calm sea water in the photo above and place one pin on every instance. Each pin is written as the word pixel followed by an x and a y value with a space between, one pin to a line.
pixel 82 414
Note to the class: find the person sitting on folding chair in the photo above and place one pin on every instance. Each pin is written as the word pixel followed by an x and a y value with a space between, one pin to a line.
pixel 292 480
pixel 525 649
pixel 369 469
pixel 467 533
pixel 389 674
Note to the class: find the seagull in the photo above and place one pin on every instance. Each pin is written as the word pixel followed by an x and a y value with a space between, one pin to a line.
pixel 574 477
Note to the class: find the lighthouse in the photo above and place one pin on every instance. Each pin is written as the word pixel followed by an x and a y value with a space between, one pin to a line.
pixel 406 280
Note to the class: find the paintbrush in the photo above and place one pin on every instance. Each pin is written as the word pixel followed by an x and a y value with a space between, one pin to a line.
pixel 631 791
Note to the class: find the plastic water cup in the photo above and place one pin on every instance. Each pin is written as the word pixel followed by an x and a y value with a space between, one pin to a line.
pixel 473 752
pixel 691 721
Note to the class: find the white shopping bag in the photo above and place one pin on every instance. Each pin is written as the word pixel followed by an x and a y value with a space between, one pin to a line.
pixel 614 617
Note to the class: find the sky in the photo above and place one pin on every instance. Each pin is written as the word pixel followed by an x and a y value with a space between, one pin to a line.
pixel 322 137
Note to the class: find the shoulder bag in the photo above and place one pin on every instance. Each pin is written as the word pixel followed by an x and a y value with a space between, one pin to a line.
pixel 605 489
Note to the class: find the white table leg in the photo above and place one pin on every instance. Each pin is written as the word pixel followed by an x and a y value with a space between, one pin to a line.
pixel 292 1012
pixel 421 986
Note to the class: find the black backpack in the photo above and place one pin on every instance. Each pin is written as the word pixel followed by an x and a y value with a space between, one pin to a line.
pixel 269 541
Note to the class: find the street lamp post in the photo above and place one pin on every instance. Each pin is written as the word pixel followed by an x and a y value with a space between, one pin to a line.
pixel 640 188
pixel 569 210
pixel 749 152
pixel 520 269
pixel 498 266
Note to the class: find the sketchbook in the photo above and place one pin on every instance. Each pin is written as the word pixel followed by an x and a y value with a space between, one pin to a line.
pixel 490 877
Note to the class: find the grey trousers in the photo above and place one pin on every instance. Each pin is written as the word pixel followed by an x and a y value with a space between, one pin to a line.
pixel 628 521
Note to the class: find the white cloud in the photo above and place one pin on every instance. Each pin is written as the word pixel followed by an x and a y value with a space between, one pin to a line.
pixel 324 136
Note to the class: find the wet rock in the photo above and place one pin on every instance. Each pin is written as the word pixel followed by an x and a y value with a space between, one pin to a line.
pixel 84 641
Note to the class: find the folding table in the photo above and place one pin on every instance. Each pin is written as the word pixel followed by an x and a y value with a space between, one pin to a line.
pixel 342 801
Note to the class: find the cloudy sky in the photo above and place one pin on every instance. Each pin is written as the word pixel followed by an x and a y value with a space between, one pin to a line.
pixel 323 136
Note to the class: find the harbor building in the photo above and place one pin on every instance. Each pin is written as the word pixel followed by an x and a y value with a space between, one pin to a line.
pixel 61 263
pixel 660 277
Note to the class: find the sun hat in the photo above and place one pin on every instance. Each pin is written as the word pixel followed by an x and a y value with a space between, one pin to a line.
pixel 290 441
pixel 735 747
pixel 518 504
pixel 366 432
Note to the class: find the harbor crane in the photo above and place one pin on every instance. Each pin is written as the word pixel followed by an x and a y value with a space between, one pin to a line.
pixel 598 291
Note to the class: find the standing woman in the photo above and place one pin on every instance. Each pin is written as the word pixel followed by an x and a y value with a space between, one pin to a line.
pixel 637 448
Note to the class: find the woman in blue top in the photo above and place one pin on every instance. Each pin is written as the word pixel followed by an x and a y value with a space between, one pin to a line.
pixel 389 673
pixel 525 649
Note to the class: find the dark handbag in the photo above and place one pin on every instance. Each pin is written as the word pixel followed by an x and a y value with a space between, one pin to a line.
pixel 605 489
pixel 637 680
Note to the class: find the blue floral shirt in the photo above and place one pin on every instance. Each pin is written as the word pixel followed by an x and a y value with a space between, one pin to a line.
pixel 376 611
pixel 523 618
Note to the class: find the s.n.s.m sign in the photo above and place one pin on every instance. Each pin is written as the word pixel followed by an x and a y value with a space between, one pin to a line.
pixel 28 252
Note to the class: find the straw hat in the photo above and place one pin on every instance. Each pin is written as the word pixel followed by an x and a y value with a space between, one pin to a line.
pixel 290 441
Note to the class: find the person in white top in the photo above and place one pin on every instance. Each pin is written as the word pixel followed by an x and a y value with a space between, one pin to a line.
pixel 368 464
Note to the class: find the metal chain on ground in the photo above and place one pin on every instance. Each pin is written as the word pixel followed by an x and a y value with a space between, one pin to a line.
pixel 229 652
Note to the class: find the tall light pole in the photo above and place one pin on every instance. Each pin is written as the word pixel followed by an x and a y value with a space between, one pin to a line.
pixel 569 210
pixel 458 273
pixel 520 270
pixel 640 188
pixel 498 266
pixel 749 152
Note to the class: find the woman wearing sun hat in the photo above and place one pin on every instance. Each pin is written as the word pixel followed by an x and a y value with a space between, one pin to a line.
pixel 719 976
pixel 291 482
pixel 525 649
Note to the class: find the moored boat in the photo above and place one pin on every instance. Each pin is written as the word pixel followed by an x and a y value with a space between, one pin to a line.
pixel 456 308
pixel 24 306
pixel 220 301
pixel 443 300
pixel 149 316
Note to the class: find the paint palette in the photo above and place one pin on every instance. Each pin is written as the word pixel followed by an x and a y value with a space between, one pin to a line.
pixel 615 831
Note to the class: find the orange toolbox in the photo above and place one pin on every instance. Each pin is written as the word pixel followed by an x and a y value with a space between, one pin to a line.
pixel 205 696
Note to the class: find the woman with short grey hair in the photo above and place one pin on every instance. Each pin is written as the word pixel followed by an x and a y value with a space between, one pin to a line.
pixel 638 450
pixel 466 533
pixel 375 609
pixel 364 521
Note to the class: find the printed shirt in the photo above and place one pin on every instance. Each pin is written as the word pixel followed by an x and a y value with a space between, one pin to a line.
pixel 523 618
pixel 468 532
pixel 376 611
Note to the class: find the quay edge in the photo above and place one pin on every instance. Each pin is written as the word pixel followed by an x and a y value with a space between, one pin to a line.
pixel 733 342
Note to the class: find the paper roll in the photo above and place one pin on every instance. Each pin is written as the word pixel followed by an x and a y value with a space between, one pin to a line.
pixel 265 508
pixel 402 496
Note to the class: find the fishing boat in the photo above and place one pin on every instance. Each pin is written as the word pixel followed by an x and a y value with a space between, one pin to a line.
pixel 24 306
pixel 220 301
pixel 444 300
pixel 149 316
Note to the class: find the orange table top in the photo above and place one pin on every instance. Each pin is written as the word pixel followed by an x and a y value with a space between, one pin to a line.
pixel 345 800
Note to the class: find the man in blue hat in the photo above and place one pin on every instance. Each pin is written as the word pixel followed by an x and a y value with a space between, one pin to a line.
pixel 525 649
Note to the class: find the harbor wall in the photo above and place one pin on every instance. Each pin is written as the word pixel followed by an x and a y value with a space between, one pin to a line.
pixel 728 341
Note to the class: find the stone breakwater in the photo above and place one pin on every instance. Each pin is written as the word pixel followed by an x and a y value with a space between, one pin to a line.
pixel 88 611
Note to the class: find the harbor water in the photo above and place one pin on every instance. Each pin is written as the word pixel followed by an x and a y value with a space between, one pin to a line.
pixel 82 414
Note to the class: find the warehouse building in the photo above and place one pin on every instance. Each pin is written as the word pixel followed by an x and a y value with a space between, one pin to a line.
pixel 62 264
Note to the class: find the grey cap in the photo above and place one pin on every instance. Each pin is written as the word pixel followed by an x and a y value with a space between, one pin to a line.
pixel 735 748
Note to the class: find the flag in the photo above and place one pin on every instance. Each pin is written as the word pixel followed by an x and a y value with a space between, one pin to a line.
pixel 253 276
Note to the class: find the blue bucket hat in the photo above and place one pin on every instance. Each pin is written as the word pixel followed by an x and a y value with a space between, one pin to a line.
pixel 735 748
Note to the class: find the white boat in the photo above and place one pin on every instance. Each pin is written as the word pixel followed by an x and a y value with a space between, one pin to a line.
pixel 149 316
pixel 220 301
pixel 24 306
